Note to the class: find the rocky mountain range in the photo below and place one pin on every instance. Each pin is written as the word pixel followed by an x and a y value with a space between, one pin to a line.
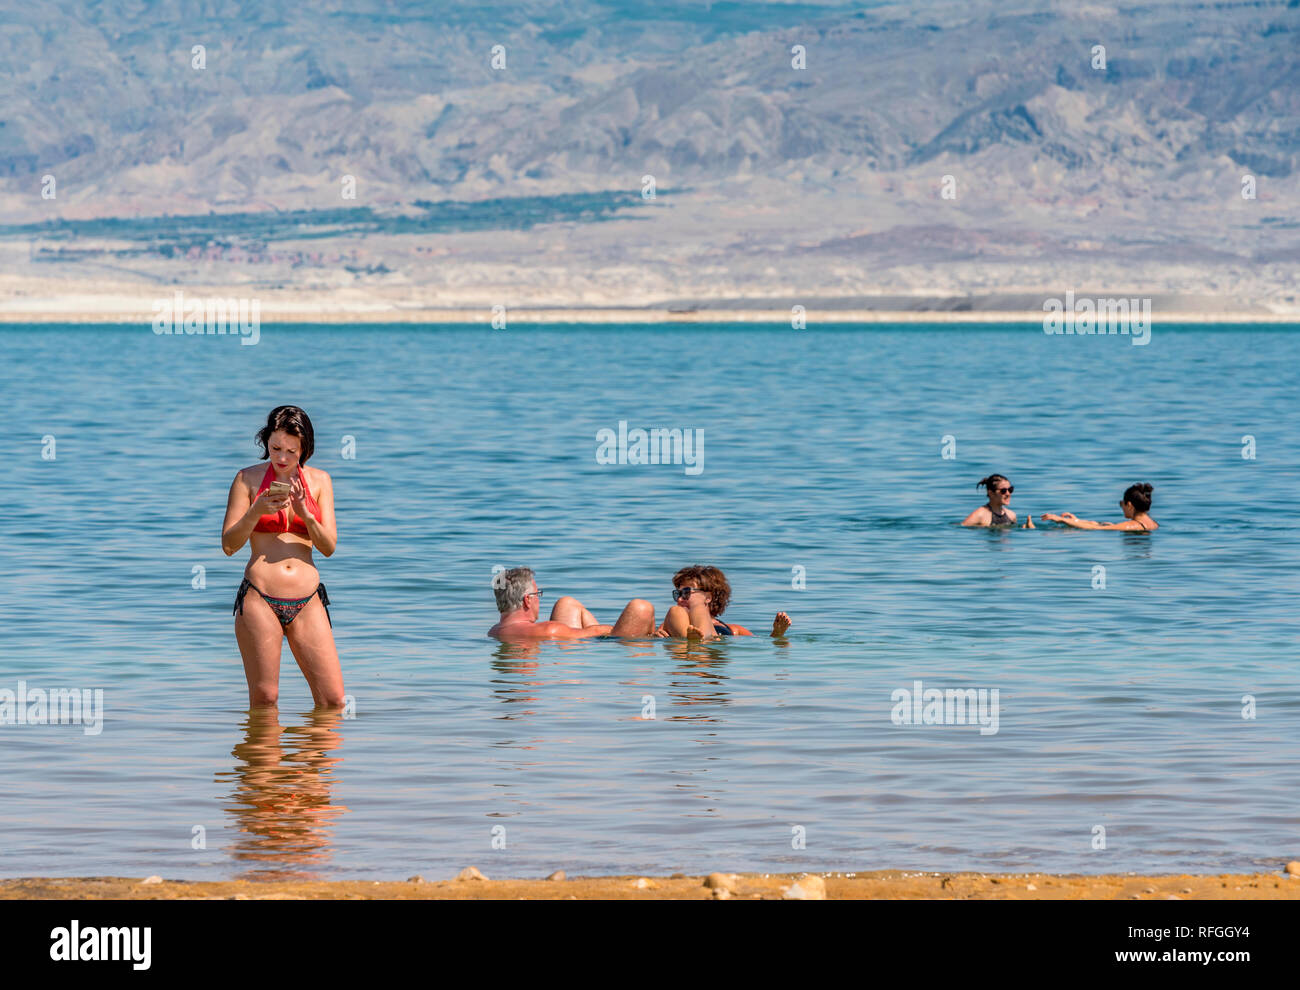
pixel 926 150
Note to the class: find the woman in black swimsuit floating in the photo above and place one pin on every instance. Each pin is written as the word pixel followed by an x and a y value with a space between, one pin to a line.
pixel 995 511
pixel 701 595
pixel 1136 505
pixel 281 596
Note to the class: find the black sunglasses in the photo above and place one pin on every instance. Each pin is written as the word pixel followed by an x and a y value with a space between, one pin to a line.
pixel 1005 491
pixel 681 593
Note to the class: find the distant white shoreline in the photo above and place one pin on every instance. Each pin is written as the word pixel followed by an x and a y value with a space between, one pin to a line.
pixel 603 315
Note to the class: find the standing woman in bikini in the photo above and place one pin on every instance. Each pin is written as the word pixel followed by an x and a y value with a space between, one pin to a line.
pixel 281 596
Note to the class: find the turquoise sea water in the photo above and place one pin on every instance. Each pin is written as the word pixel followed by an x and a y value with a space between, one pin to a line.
pixel 1119 706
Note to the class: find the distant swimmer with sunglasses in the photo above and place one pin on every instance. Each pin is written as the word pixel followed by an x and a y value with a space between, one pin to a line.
pixel 701 595
pixel 995 511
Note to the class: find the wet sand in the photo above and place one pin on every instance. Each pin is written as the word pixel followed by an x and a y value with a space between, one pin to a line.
pixel 838 886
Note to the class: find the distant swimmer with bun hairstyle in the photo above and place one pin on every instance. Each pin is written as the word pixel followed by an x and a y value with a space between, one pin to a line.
pixel 1136 504
pixel 995 511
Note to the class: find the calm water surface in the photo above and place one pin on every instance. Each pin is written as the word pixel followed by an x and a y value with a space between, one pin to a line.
pixel 1120 706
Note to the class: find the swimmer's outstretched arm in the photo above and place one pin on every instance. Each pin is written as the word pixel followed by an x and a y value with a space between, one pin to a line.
pixel 1070 519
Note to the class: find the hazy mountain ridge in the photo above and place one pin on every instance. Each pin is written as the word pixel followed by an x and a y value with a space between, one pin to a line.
pixel 1055 163
pixel 432 111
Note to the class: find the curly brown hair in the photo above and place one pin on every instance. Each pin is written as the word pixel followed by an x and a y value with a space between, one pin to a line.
pixel 706 579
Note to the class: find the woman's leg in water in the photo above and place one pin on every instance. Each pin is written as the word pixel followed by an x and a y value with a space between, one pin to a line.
pixel 260 638
pixel 312 640
pixel 572 613
pixel 678 621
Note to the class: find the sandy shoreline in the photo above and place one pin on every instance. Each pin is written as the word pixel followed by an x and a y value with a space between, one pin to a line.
pixel 887 885
pixel 668 316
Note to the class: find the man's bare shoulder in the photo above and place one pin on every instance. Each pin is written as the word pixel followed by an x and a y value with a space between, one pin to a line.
pixel 531 630
pixel 518 630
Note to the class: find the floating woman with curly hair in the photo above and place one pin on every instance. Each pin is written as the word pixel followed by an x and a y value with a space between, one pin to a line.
pixel 701 595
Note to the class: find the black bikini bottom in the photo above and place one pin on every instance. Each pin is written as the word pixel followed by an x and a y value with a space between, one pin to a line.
pixel 285 609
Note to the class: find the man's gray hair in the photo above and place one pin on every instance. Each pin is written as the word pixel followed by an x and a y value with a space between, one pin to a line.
pixel 511 586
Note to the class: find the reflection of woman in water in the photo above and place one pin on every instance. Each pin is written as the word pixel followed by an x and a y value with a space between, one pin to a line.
pixel 282 512
pixel 281 800
pixel 1135 504
pixel 697 683
pixel 701 595
pixel 995 511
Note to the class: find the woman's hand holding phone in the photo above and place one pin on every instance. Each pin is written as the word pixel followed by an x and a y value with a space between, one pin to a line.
pixel 273 500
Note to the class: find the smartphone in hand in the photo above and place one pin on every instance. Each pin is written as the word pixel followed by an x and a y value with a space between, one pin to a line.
pixel 279 488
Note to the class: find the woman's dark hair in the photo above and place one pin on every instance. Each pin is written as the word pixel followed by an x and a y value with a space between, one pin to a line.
pixel 990 481
pixel 293 421
pixel 706 579
pixel 1138 496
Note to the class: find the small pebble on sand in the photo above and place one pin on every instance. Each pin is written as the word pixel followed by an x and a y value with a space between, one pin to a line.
pixel 644 883
pixel 153 879
pixel 470 873
pixel 720 881
pixel 557 875
pixel 806 889
pixel 1293 867
pixel 1031 887
pixel 415 879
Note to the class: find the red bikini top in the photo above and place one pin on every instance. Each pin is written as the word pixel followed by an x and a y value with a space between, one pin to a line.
pixel 279 523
